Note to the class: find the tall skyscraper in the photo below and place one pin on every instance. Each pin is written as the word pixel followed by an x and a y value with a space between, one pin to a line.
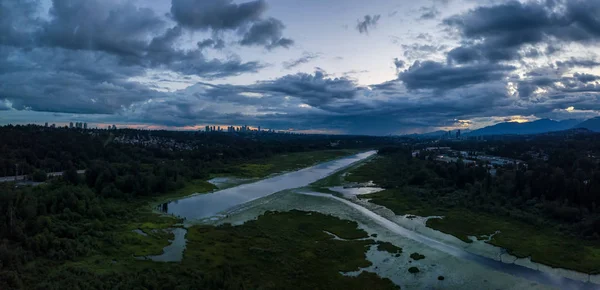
pixel 85 126
pixel 71 125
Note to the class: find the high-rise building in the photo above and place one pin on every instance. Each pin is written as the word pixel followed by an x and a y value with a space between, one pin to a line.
pixel 458 134
pixel 85 126
pixel 71 125
pixel 206 128
pixel 46 125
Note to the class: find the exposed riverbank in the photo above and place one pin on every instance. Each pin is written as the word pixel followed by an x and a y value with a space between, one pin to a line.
pixel 481 240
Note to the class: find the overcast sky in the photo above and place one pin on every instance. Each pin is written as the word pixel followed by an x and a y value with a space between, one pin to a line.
pixel 339 66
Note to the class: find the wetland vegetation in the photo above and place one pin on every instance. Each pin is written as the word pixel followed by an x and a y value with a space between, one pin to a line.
pixel 502 208
pixel 389 247
pixel 85 231
pixel 417 256
pixel 259 252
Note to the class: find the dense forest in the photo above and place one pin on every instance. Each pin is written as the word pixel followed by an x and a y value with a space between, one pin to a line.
pixel 34 147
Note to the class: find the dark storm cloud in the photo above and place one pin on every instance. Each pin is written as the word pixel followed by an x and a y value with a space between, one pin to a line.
pixel 17 22
pixel 60 80
pixel 498 32
pixel 221 15
pixel 472 83
pixel 555 84
pixel 368 22
pixel 463 54
pixel 211 43
pixel 314 89
pixel 91 25
pixel 419 51
pixel 306 57
pixel 267 33
pixel 81 58
pixel 398 63
pixel 216 14
pixel 585 78
pixel 438 76
pixel 428 13
pixel 123 30
pixel 578 62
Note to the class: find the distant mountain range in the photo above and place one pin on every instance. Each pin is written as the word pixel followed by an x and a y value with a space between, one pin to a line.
pixel 514 128
pixel 590 124
pixel 436 134
pixel 534 127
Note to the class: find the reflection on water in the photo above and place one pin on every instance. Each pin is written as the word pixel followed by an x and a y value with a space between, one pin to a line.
pixel 225 182
pixel 210 204
pixel 174 251
pixel 354 191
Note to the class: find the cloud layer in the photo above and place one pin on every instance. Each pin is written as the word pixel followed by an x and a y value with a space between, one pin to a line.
pixel 113 61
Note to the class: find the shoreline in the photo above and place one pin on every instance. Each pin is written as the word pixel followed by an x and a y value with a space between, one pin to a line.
pixel 478 247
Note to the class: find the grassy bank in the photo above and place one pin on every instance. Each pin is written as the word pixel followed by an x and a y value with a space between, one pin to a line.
pixel 338 178
pixel 285 162
pixel 543 245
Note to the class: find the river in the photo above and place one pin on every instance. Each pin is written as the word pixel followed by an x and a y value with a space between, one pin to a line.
pixel 246 201
pixel 207 205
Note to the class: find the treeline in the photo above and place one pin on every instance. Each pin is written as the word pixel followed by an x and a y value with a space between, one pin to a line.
pixel 42 227
pixel 564 190
pixel 29 148
pixel 56 222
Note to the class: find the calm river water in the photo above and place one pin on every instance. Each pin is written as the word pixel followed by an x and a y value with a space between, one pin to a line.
pixel 207 205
